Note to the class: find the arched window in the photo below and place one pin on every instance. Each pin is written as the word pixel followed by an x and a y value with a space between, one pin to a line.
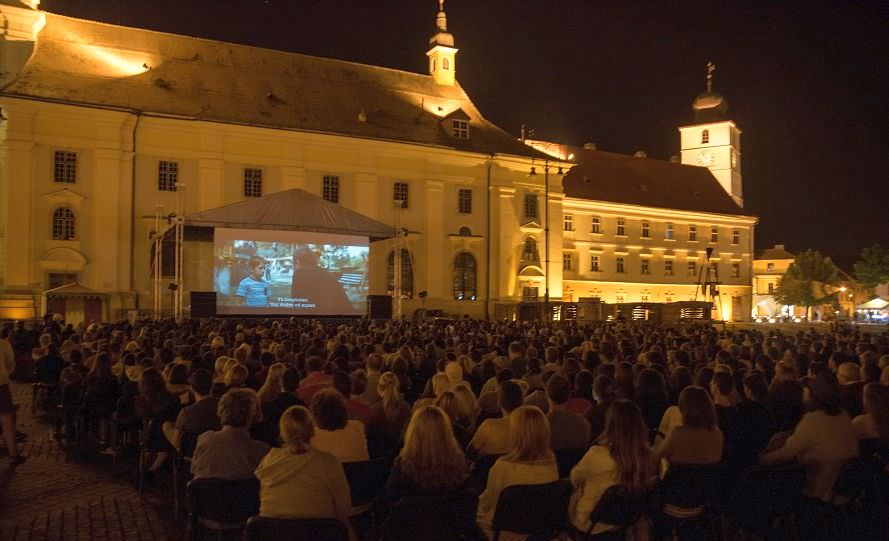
pixel 464 277
pixel 465 232
pixel 63 224
pixel 445 64
pixel 705 137
pixel 407 274
pixel 529 253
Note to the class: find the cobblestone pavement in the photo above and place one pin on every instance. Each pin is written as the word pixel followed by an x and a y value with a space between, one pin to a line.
pixel 66 495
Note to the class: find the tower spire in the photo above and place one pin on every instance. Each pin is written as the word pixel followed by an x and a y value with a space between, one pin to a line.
pixel 711 67
pixel 441 50
pixel 441 21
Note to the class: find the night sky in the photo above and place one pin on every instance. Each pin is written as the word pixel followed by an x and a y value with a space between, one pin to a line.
pixel 808 87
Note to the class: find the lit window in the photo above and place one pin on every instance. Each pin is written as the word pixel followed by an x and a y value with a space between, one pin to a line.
pixel 167 176
pixel 530 205
pixel 693 233
pixel 705 137
pixel 692 268
pixel 645 267
pixel 464 201
pixel 668 231
pixel 566 262
pixel 445 64
pixel 568 222
pixel 460 128
pixel 619 298
pixel 252 182
pixel 770 267
pixel 330 188
pixel 668 268
pixel 736 270
pixel 771 288
pixel 596 225
pixel 594 263
pixel 736 236
pixel 530 250
pixel 399 194
pixel 619 265
pixel 714 234
pixel 65 167
pixel 621 226
pixel 646 230
pixel 464 277
pixel 63 224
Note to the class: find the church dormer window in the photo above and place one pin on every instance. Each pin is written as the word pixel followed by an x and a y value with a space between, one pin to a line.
pixel 705 137
pixel 445 64
pixel 460 128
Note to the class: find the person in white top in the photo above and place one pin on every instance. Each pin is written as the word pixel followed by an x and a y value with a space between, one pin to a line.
pixel 335 433
pixel 7 409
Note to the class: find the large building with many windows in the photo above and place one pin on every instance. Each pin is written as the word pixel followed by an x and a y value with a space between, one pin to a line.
pixel 105 126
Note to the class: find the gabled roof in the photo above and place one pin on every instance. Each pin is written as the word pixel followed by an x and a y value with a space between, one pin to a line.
pixel 775 253
pixel 90 63
pixel 74 289
pixel 619 178
pixel 291 210
pixel 874 304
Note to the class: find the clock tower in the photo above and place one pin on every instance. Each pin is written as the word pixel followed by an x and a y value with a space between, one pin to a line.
pixel 714 141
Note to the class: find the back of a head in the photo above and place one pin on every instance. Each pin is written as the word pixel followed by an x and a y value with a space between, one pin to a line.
pixel 201 381
pixel 697 408
pixel 824 394
pixel 529 434
pixel 627 439
pixel 440 383
pixel 558 389
pixel 431 456
pixel 329 410
pixel 510 396
pixel 724 383
pixel 237 407
pixel 297 429
pixel 756 385
pixel 848 372
pixel 342 383
pixel 290 380
pixel 315 364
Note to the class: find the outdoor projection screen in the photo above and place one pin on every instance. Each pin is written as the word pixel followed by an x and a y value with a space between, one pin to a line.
pixel 264 272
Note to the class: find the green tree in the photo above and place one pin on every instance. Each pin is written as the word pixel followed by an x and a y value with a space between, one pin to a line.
pixel 872 269
pixel 806 281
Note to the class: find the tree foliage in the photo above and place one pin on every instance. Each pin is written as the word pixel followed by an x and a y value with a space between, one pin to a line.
pixel 806 280
pixel 872 269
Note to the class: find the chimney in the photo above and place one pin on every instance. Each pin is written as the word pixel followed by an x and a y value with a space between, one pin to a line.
pixel 779 246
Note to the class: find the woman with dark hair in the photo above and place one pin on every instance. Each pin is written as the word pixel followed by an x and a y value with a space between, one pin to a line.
pixel 101 392
pixel 680 378
pixel 155 406
pixel 336 434
pixel 582 394
pixel 621 457
pixel 754 423
pixel 698 439
pixel 823 441
pixel 651 396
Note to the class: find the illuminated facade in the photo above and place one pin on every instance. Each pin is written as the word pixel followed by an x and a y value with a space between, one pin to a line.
pixel 768 268
pixel 104 126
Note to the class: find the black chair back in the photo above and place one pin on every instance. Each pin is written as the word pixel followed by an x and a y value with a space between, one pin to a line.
pixel 690 486
pixel 220 504
pixel 566 459
pixel 187 444
pixel 293 529
pixel 367 479
pixel 618 507
pixel 540 510
pixel 439 517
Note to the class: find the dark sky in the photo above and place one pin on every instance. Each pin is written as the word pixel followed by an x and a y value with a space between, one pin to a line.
pixel 808 83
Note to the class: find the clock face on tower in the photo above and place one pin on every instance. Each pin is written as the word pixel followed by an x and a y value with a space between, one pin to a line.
pixel 705 158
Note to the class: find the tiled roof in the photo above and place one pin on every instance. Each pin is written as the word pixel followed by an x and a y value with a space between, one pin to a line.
pixel 775 253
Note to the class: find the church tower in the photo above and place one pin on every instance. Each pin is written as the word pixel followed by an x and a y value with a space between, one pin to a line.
pixel 713 141
pixel 441 51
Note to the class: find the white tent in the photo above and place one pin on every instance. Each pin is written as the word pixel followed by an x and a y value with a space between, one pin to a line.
pixel 874 304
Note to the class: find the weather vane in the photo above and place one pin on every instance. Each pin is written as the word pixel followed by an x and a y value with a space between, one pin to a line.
pixel 711 67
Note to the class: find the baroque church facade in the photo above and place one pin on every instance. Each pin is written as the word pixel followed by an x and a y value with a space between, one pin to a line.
pixel 103 127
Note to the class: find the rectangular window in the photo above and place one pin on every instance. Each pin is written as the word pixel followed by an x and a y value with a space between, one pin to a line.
pixel 736 270
pixel 736 236
pixel 167 176
pixel 714 234
pixel 568 222
pixel 621 226
pixel 529 294
pixel 464 201
pixel 645 267
pixel 596 226
pixel 668 268
pixel 668 231
pixel 330 188
pixel 252 182
pixel 594 263
pixel 714 271
pixel 59 279
pixel 460 128
pixel 566 262
pixel 530 205
pixel 646 230
pixel 693 233
pixel 400 194
pixel 692 268
pixel 619 265
pixel 770 267
pixel 65 169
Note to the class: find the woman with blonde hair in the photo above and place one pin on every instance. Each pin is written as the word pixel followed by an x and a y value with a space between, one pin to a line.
pixel 297 480
pixel 621 457
pixel 272 387
pixel 530 462
pixel 388 416
pixel 468 406
pixel 449 403
pixel 431 461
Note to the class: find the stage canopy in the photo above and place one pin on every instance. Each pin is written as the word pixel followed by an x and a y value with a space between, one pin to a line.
pixel 291 210
pixel 874 304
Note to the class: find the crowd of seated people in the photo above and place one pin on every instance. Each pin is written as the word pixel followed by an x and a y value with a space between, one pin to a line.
pixel 469 405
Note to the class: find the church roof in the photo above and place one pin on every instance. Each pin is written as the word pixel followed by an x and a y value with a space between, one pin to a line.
pixel 777 253
pixel 619 178
pixel 90 63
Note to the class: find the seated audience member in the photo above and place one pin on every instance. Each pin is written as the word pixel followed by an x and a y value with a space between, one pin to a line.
pixel 373 371
pixel 299 481
pixel 873 424
pixel 359 411
pixel 448 403
pixel 698 439
pixel 335 433
pixel 492 436
pixel 582 396
pixel 467 413
pixel 431 461
pixel 235 377
pixel 651 396
pixel 602 392
pixel 230 453
pixel 199 417
pixel 389 415
pixel 823 441
pixel 567 430
pixel 786 404
pixel 621 457
pixel 155 406
pixel 489 398
pixel 177 382
pixel 754 424
pixel 271 389
pixel 315 380
pixel 101 390
pixel 529 461
pixel 851 388
pixel 267 430
pixel 73 374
